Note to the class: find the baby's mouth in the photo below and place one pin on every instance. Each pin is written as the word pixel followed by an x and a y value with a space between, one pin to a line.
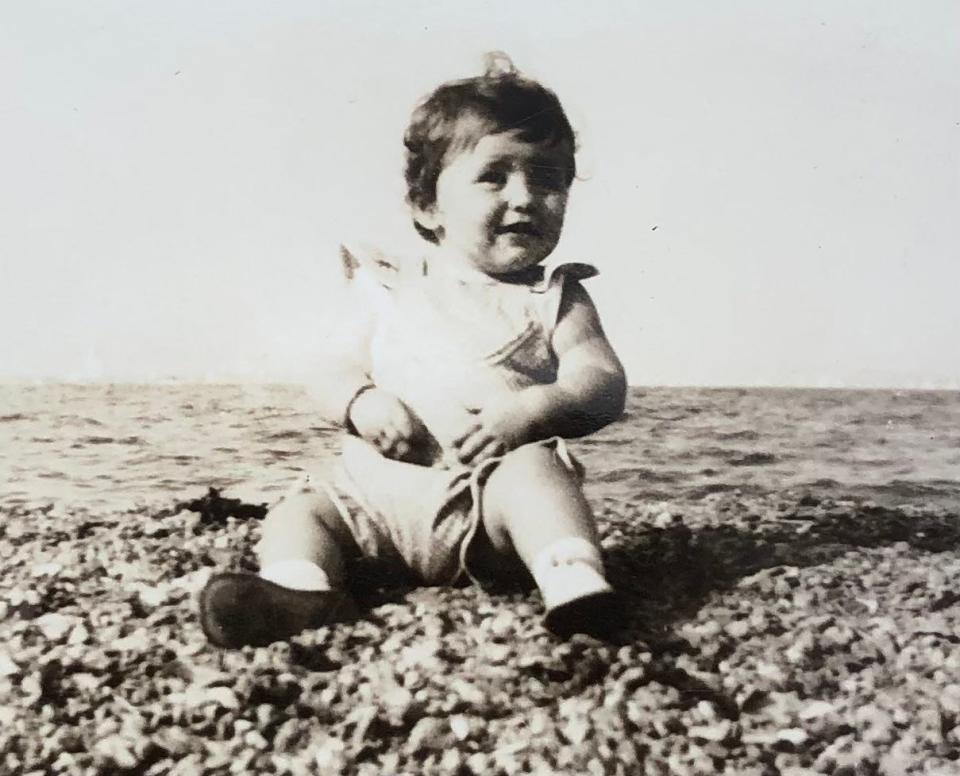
pixel 519 227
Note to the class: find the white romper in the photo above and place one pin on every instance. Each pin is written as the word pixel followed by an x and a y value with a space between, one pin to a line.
pixel 443 347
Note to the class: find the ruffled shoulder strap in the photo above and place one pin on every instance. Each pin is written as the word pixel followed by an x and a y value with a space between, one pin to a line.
pixel 558 274
pixel 364 261
pixel 551 285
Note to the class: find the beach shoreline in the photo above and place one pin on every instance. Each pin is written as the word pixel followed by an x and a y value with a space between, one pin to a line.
pixel 788 564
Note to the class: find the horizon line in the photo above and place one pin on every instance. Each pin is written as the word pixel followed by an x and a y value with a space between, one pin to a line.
pixel 243 381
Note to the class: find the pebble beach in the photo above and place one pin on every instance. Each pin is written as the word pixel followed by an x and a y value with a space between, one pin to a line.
pixel 789 562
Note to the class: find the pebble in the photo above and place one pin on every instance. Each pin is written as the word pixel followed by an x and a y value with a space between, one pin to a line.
pixel 801 648
pixel 65 762
pixel 576 729
pixel 198 674
pixel 665 520
pixel 118 751
pixel 772 672
pixel 430 733
pixel 177 741
pixel 816 709
pixel 468 691
pixel 950 699
pixel 152 597
pixel 155 529
pixel 502 624
pixel 330 755
pixel 398 701
pixel 460 727
pixel 718 731
pixel 480 763
pixel 875 724
pixel 138 641
pixel 498 654
pixel 46 569
pixel 795 736
pixel 55 626
pixel 7 666
pixel 79 635
pixel 762 737
pixel 254 739
pixel 197 696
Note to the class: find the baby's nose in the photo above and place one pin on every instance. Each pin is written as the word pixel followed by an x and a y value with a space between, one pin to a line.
pixel 517 190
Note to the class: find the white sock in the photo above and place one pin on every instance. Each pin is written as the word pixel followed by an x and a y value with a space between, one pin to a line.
pixel 297 574
pixel 567 570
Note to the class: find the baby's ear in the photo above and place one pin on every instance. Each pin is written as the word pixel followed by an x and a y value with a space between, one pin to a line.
pixel 428 218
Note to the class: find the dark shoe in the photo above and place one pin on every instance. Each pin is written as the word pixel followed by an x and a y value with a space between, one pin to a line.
pixel 595 615
pixel 238 610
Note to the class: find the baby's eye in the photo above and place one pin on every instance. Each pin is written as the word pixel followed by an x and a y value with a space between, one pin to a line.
pixel 493 177
pixel 550 178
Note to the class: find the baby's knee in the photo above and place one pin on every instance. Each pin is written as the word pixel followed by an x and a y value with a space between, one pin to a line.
pixel 305 526
pixel 532 457
pixel 533 468
pixel 296 508
pixel 300 517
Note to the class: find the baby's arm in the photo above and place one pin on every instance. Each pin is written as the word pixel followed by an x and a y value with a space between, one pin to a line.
pixel 346 395
pixel 589 393
pixel 591 387
pixel 342 367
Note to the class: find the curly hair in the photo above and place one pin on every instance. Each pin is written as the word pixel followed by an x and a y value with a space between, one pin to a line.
pixel 457 114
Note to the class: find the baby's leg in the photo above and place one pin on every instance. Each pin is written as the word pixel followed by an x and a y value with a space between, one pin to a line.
pixel 300 582
pixel 303 542
pixel 534 507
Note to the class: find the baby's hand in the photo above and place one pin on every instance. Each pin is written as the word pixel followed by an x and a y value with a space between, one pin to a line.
pixel 495 430
pixel 390 425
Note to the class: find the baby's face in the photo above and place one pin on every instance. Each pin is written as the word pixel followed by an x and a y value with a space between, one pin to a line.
pixel 500 205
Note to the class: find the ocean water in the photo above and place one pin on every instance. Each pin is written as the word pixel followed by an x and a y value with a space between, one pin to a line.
pixel 124 446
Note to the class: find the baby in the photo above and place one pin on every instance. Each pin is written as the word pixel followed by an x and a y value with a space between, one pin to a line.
pixel 456 378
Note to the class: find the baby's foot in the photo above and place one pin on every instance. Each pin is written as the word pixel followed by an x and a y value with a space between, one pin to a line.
pixel 578 600
pixel 239 610
pixel 595 615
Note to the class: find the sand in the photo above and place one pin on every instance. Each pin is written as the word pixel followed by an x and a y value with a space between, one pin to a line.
pixel 789 561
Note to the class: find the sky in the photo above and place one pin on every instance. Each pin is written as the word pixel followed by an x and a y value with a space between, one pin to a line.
pixel 769 190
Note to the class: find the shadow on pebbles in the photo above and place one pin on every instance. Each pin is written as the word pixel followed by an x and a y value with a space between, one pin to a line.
pixel 760 636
